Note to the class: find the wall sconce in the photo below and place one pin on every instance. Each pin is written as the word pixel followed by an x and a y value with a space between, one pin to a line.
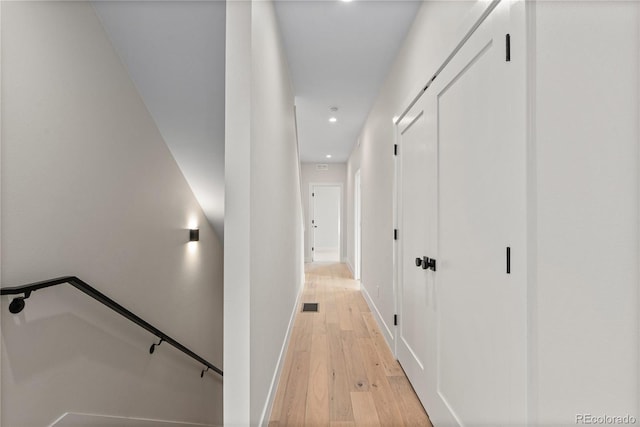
pixel 194 235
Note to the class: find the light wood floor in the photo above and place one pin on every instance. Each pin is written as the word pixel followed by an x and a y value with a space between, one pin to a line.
pixel 339 370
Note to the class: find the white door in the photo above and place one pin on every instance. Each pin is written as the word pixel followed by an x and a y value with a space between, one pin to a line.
pixel 357 224
pixel 462 328
pixel 417 240
pixel 481 280
pixel 325 222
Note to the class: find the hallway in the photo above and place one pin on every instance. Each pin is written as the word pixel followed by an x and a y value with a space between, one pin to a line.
pixel 339 370
pixel 225 162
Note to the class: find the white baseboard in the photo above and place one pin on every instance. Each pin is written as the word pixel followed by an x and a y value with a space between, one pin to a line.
pixel 75 419
pixel 349 266
pixel 386 331
pixel 268 405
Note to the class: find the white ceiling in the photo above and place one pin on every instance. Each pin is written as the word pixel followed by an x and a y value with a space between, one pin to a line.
pixel 339 54
pixel 174 52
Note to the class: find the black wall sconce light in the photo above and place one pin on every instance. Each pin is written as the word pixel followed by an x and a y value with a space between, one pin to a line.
pixel 194 235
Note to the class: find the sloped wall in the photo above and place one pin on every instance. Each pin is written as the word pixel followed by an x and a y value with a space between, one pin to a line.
pixel 89 188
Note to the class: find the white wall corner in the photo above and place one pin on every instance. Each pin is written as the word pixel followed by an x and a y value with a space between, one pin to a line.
pixel 237 277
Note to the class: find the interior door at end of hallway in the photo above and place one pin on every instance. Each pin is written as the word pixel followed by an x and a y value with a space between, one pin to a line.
pixel 326 203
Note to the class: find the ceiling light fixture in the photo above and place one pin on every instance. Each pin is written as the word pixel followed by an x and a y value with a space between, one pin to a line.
pixel 328 156
pixel 333 120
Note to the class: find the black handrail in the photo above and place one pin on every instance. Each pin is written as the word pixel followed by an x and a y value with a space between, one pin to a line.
pixel 17 304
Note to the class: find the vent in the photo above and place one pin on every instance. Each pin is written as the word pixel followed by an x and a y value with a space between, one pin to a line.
pixel 310 306
pixel 322 167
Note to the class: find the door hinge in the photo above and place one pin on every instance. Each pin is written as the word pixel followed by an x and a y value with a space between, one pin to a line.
pixel 312 248
pixel 313 194
pixel 508 47
pixel 395 149
pixel 395 234
pixel 395 320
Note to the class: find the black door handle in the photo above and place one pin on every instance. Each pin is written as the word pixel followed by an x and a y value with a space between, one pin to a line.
pixel 428 263
pixel 418 262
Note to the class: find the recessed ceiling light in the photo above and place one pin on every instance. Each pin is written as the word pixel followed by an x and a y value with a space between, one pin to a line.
pixel 328 156
pixel 333 120
pixel 346 1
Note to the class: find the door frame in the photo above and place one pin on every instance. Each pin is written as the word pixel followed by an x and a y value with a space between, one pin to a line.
pixel 396 223
pixel 357 225
pixel 311 239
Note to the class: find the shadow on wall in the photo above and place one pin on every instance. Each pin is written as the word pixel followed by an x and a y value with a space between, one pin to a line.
pixel 37 346
pixel 75 359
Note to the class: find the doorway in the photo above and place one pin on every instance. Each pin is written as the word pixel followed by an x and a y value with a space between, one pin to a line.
pixel 326 207
pixel 357 226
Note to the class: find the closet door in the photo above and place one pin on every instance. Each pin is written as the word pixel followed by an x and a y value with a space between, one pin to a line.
pixel 417 222
pixel 478 102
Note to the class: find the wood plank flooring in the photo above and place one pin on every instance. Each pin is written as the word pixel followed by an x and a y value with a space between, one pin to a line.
pixel 339 371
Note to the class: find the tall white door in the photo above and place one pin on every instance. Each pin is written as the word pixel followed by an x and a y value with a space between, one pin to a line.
pixel 357 227
pixel 462 328
pixel 481 279
pixel 417 221
pixel 325 222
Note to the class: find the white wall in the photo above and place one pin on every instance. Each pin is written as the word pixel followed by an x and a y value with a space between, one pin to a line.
pixel 174 52
pixel 336 174
pixel 583 298
pixel 89 188
pixel 237 243
pixel 438 27
pixel 263 230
